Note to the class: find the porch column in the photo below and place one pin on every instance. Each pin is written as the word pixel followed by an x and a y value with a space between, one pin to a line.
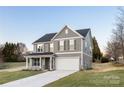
pixel 43 62
pixel 54 63
pixel 50 63
pixel 26 62
pixel 30 62
pixel 40 63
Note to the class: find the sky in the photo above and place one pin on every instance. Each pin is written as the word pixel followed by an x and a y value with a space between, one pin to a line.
pixel 27 24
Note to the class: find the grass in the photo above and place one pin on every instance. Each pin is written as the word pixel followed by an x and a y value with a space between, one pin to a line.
pixel 11 76
pixel 7 65
pixel 91 79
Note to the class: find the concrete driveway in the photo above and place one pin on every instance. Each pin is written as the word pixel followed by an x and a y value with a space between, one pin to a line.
pixel 39 80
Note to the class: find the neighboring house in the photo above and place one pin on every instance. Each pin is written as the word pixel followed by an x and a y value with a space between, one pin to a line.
pixel 66 50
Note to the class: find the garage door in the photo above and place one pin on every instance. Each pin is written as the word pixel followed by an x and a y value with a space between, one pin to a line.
pixel 67 63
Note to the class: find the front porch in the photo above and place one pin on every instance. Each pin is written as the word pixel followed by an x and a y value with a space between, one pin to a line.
pixel 40 61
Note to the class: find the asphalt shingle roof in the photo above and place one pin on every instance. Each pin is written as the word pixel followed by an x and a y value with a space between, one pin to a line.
pixel 48 37
pixel 83 32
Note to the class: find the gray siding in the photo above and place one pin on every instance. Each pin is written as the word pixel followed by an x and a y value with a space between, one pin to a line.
pixel 87 62
pixel 87 44
pixel 47 47
pixel 77 46
pixel 62 34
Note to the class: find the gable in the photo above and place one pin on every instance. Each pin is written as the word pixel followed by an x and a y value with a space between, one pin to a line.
pixel 65 33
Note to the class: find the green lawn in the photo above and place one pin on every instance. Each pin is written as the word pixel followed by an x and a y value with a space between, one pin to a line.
pixel 10 76
pixel 7 65
pixel 91 79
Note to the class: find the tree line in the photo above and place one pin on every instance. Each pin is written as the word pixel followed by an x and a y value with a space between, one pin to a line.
pixel 13 52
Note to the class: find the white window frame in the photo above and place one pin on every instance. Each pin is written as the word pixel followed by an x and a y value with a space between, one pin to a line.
pixel 71 44
pixel 61 45
pixel 66 31
pixel 41 47
pixel 51 47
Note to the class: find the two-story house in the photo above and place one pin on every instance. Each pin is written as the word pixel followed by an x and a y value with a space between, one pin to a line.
pixel 66 50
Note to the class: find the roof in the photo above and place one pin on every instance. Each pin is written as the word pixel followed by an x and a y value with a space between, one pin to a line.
pixel 44 53
pixel 48 37
pixel 83 32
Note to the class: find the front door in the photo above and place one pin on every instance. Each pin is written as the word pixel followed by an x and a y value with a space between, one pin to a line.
pixel 47 63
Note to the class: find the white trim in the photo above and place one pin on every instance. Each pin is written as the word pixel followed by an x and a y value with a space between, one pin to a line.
pixel 51 46
pixel 66 38
pixel 27 63
pixel 71 30
pixel 42 42
pixel 50 63
pixel 30 62
pixel 72 43
pixel 68 53
pixel 61 45
pixel 38 56
pixel 40 63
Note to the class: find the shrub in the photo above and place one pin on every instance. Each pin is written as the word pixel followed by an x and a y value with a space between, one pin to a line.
pixel 104 60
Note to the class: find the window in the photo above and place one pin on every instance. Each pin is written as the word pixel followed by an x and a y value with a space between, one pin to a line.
pixel 35 62
pixel 66 31
pixel 51 47
pixel 61 45
pixel 40 48
pixel 71 43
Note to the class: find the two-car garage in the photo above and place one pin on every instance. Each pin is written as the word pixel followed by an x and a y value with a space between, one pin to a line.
pixel 67 63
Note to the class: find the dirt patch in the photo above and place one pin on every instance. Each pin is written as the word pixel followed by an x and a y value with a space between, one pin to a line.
pixel 13 69
pixel 104 67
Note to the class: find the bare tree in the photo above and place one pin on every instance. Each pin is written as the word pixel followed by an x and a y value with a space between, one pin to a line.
pixel 113 49
pixel 117 43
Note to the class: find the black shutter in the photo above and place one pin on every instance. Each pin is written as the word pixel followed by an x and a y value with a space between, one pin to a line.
pixel 64 44
pixel 68 45
pixel 58 45
pixel 74 44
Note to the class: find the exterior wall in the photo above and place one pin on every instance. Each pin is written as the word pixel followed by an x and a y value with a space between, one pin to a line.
pixel 47 47
pixel 62 34
pixel 87 51
pixel 77 45
pixel 87 46
pixel 87 62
